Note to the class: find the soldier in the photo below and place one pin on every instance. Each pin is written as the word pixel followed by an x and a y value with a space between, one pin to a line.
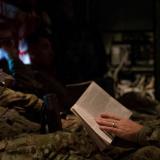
pixel 36 78
pixel 74 143
pixel 44 111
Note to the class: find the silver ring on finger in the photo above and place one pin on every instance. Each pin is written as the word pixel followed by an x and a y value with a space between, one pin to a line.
pixel 113 125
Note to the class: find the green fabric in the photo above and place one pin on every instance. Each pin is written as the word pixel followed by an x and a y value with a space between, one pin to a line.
pixel 73 143
pixel 70 144
pixel 26 104
pixel 20 138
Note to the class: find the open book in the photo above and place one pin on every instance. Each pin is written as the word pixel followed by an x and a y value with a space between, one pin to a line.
pixel 93 102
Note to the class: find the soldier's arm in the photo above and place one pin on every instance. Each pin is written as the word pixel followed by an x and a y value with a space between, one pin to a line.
pixel 149 136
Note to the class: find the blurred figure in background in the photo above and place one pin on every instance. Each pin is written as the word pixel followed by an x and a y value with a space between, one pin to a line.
pixel 37 78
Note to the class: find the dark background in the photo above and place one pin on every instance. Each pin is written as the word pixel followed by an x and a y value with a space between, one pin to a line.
pixel 79 28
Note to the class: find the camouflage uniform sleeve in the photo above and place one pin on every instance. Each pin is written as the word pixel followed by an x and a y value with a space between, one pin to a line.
pixel 149 136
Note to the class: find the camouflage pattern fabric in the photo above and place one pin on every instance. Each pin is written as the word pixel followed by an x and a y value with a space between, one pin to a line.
pixel 20 138
pixel 26 104
pixel 73 143
pixel 58 146
pixel 13 124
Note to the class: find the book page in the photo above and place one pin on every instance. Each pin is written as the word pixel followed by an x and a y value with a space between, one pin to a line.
pixel 90 120
pixel 95 101
pixel 91 104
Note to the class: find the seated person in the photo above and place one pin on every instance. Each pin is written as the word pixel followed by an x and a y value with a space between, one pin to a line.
pixel 121 127
pixel 44 111
pixel 138 137
pixel 135 141
pixel 35 109
pixel 34 79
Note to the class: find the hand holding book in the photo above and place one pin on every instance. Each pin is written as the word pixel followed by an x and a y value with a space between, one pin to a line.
pixel 93 102
pixel 121 127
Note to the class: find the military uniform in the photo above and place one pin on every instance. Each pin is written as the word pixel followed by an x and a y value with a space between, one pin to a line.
pixel 20 138
pixel 73 143
pixel 28 105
